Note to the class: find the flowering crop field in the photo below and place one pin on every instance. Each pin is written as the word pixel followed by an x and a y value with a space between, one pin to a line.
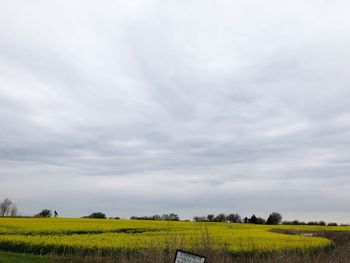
pixel 108 236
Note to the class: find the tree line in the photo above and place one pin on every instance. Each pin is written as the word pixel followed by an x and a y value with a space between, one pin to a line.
pixel 164 217
pixel 273 219
pixel 311 223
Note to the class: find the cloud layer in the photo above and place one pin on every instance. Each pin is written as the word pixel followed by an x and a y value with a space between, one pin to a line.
pixel 176 106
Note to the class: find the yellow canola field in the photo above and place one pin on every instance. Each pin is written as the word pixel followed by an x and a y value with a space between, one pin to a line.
pixel 99 236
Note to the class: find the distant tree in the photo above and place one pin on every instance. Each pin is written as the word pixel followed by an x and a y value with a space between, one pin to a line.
pixel 210 218
pixel 156 217
pixel 44 213
pixel 234 218
pixel 295 222
pixel 274 219
pixel 253 219
pixel 5 207
pixel 14 210
pixel 165 217
pixel 199 219
pixel 170 217
pixel 315 223
pixel 173 217
pixel 322 223
pixel 260 221
pixel 332 224
pixel 311 223
pixel 220 218
pixel 98 215
pixel 246 220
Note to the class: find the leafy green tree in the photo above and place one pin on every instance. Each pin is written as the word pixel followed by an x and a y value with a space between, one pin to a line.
pixel 210 218
pixel 173 217
pixel 199 219
pixel 220 218
pixel 260 221
pixel 253 219
pixel 322 223
pixel 44 213
pixel 165 217
pixel 170 217
pixel 274 219
pixel 156 217
pixel 96 215
pixel 332 224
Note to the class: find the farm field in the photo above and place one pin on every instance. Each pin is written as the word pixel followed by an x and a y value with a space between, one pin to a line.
pixel 100 238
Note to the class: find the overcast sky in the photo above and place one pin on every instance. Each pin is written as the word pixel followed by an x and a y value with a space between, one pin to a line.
pixel 193 107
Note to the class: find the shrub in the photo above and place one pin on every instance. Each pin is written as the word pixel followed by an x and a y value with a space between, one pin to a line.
pixel 332 224
pixel 260 221
pixel 96 215
pixel 44 213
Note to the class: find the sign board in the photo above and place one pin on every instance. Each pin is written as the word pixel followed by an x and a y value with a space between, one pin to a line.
pixel 188 257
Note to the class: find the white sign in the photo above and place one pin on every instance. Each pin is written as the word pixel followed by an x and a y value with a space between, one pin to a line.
pixel 187 257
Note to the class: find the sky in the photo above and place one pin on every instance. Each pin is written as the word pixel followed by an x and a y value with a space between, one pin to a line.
pixel 192 107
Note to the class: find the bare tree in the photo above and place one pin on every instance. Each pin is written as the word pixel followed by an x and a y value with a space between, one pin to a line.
pixel 234 218
pixel 5 207
pixel 14 210
pixel 8 208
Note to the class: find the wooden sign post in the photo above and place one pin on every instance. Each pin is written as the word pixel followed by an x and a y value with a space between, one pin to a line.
pixel 188 257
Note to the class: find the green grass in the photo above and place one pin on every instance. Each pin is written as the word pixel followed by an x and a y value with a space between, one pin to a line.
pixel 6 257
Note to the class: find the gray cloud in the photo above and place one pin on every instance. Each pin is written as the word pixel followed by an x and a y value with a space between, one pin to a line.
pixel 142 108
